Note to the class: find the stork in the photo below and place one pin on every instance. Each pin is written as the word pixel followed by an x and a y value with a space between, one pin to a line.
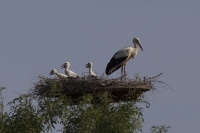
pixel 121 57
pixel 68 72
pixel 60 75
pixel 91 73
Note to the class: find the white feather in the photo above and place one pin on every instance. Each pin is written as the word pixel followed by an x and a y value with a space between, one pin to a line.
pixel 68 72
pixel 60 75
pixel 122 56
pixel 91 73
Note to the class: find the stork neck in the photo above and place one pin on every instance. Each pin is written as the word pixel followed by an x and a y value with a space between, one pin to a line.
pixel 57 74
pixel 90 69
pixel 67 67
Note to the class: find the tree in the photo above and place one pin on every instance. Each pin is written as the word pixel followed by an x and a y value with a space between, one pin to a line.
pixel 160 129
pixel 33 114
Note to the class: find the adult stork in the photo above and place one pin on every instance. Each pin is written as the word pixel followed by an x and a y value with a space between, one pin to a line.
pixel 68 72
pixel 121 57
pixel 60 75
pixel 91 73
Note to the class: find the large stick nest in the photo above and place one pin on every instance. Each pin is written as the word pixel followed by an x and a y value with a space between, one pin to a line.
pixel 72 86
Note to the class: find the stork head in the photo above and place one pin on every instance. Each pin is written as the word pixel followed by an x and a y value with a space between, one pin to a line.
pixel 65 65
pixel 136 42
pixel 88 65
pixel 53 71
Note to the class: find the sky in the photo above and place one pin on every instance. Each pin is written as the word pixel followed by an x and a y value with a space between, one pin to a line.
pixel 37 36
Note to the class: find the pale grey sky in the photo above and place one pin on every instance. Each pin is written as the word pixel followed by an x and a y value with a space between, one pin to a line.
pixel 37 36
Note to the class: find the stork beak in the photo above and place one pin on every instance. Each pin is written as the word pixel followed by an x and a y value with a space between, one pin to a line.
pixel 63 66
pixel 140 46
pixel 51 73
pixel 87 65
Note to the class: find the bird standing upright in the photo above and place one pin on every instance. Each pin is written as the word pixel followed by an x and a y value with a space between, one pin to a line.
pixel 121 57
pixel 91 73
pixel 68 72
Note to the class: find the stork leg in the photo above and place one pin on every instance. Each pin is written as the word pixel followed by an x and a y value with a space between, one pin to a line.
pixel 122 73
pixel 125 71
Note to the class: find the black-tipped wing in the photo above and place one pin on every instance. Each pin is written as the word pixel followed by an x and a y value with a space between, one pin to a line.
pixel 117 60
pixel 114 65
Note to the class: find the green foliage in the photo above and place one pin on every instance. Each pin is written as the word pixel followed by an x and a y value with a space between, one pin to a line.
pixel 160 129
pixel 103 117
pixel 2 116
pixel 89 114
pixel 22 116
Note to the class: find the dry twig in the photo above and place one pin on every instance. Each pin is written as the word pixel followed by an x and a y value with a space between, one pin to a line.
pixel 84 84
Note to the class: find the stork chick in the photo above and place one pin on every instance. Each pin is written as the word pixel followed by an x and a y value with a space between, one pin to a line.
pixel 91 73
pixel 60 75
pixel 68 72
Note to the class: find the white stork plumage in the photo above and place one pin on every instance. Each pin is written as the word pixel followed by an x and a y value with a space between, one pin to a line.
pixel 91 73
pixel 60 75
pixel 120 58
pixel 68 72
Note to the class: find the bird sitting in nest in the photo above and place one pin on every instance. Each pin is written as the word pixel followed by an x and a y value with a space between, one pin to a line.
pixel 91 73
pixel 60 75
pixel 68 72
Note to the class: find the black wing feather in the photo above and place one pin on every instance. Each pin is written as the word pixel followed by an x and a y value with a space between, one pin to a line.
pixel 113 63
pixel 115 60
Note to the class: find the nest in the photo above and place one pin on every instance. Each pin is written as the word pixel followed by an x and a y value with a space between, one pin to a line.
pixel 75 87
